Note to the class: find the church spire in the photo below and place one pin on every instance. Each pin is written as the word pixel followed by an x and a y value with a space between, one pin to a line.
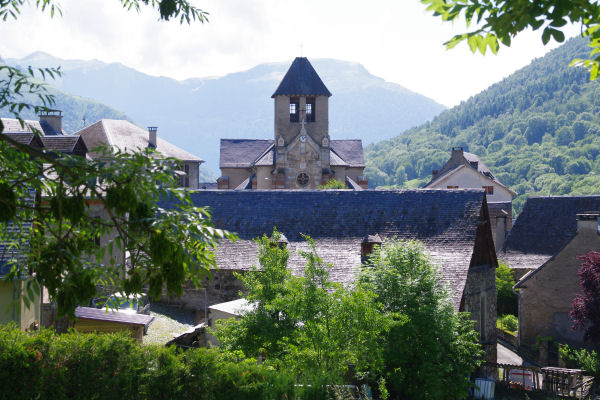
pixel 301 80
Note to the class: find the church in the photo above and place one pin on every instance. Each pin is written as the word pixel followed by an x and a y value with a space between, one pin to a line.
pixel 301 155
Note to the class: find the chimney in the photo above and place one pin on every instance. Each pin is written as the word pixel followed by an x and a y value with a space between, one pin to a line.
pixel 588 221
pixel 51 122
pixel 457 151
pixel 152 136
pixel 434 173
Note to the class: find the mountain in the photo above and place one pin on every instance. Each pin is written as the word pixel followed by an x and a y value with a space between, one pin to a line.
pixel 538 130
pixel 196 113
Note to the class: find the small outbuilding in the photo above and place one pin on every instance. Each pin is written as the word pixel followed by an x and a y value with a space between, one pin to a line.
pixel 90 319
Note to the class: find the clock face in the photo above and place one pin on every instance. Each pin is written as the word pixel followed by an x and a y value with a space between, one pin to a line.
pixel 303 138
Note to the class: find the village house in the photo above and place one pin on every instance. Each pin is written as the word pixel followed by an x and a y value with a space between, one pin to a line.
pixel 346 225
pixel 124 136
pixel 466 170
pixel 301 155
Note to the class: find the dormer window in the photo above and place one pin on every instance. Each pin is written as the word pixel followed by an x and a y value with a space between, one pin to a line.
pixel 294 109
pixel 310 109
pixel 368 246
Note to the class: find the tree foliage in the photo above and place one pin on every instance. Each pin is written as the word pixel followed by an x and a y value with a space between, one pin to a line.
pixel 586 306
pixel 429 352
pixel 66 219
pixel 306 324
pixel 516 128
pixel 333 184
pixel 507 300
pixel 499 21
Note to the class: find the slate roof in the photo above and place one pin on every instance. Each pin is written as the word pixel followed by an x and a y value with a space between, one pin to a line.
pixel 301 79
pixel 68 144
pixel 12 125
pixel 125 136
pixel 445 221
pixel 543 228
pixel 246 153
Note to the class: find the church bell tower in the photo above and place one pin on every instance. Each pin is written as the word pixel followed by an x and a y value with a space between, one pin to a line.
pixel 302 143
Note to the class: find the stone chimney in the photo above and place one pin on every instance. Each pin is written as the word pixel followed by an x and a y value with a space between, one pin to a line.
pixel 51 122
pixel 457 152
pixel 152 130
pixel 588 221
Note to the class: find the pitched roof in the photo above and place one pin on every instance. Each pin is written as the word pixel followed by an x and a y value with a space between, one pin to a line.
pixel 351 151
pixel 470 160
pixel 246 153
pixel 242 153
pixel 446 221
pixel 12 125
pixel 68 144
pixel 301 79
pixel 125 136
pixel 543 228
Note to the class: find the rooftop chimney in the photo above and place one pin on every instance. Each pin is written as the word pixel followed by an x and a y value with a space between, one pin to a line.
pixel 51 122
pixel 152 136
pixel 588 221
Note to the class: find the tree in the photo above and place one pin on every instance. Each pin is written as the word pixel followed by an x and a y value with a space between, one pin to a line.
pixel 333 184
pixel 499 21
pixel 508 302
pixel 429 352
pixel 585 310
pixel 306 324
pixel 54 210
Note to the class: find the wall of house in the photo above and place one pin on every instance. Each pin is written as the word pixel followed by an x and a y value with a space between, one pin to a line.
pixel 479 299
pixel 213 317
pixel 501 221
pixel 194 174
pixel 545 299
pixel 469 178
pixel 223 287
pixel 98 210
pixel 29 315
pixel 6 298
pixel 236 175
pixel 264 178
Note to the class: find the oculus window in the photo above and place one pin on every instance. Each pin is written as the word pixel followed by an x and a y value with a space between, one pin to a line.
pixel 302 179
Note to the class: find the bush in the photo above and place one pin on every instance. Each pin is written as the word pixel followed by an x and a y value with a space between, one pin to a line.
pixel 507 300
pixel 45 365
pixel 508 322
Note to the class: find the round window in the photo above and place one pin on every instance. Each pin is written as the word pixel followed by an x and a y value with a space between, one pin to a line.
pixel 302 179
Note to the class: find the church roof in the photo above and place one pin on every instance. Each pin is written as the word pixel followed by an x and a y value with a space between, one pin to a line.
pixel 446 221
pixel 301 80
pixel 246 153
pixel 543 228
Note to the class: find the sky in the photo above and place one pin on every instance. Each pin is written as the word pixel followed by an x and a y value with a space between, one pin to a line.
pixel 397 40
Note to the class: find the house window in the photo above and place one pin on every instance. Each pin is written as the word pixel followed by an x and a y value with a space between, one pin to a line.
pixel 294 110
pixel 310 109
pixel 452 187
pixel 488 189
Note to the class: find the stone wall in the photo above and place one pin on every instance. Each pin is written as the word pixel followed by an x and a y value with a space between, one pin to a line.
pixel 479 299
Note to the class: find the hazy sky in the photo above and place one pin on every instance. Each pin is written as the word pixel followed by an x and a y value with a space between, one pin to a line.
pixel 397 40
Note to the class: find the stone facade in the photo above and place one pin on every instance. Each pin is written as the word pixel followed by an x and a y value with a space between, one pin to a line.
pixel 546 294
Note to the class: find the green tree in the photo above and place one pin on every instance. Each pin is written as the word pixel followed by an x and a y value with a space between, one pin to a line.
pixel 55 209
pixel 307 324
pixel 507 300
pixel 430 352
pixel 499 21
pixel 333 184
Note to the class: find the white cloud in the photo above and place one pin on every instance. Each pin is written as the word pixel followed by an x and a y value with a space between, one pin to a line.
pixel 397 40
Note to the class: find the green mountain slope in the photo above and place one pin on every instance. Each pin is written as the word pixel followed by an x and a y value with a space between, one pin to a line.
pixel 538 130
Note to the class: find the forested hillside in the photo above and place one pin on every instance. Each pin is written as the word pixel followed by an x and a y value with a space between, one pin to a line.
pixel 538 130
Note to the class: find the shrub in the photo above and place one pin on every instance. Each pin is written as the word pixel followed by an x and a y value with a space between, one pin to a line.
pixel 508 322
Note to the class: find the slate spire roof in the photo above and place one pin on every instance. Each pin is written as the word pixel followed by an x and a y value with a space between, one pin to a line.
pixel 301 80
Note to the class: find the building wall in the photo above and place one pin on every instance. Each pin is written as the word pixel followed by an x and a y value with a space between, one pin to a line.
pixel 545 299
pixel 479 299
pixel 236 176
pixel 467 177
pixel 288 130
pixel 26 316
pixel 86 325
pixel 194 174
pixel 6 297
pixel 264 178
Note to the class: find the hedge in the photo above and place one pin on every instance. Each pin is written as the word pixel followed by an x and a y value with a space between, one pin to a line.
pixel 45 365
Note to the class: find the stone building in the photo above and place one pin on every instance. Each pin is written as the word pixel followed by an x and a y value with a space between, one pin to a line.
pixel 301 155
pixel 124 136
pixel 346 225
pixel 466 170
pixel 544 227
pixel 546 293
